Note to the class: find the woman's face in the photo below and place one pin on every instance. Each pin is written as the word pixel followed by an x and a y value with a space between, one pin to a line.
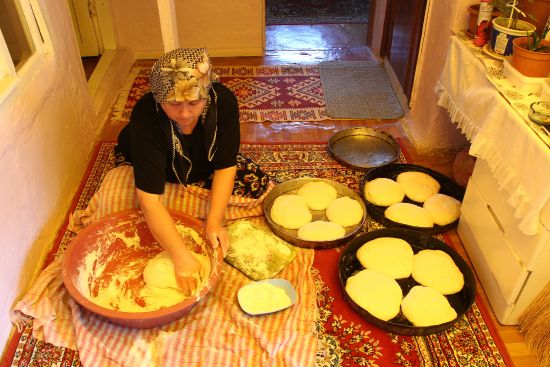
pixel 185 114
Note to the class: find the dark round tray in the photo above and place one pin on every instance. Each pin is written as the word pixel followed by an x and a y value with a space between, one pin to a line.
pixel 348 265
pixel 291 235
pixel 448 187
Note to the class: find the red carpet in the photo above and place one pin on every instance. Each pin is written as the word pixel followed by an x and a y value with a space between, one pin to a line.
pixel 345 338
pixel 264 93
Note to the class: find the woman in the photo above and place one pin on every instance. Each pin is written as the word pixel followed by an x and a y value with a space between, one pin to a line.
pixel 186 131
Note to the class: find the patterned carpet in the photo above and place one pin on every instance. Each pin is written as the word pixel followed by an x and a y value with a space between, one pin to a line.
pixel 264 93
pixel 316 11
pixel 345 339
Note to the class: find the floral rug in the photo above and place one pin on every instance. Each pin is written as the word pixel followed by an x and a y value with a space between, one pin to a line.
pixel 316 11
pixel 264 93
pixel 345 339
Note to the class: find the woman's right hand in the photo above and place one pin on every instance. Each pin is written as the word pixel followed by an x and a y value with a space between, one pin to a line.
pixel 188 271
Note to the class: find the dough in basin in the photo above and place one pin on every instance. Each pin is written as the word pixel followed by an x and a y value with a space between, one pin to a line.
pixel 318 194
pixel 161 288
pixel 409 214
pixel 321 230
pixel 443 208
pixel 290 211
pixel 345 211
pixel 418 186
pixel 375 292
pixel 425 306
pixel 383 192
pixel 389 255
pixel 436 269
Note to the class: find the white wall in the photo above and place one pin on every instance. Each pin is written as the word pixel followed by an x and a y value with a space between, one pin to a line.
pixel 427 124
pixel 47 131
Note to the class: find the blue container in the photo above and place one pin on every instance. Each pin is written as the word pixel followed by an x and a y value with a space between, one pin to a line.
pixel 502 36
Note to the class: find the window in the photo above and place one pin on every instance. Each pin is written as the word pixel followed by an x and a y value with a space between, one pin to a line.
pixel 21 36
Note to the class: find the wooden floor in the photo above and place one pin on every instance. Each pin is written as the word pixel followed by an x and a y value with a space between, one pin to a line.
pixel 309 44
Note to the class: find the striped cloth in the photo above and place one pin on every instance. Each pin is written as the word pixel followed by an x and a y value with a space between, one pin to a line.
pixel 216 332
pixel 117 193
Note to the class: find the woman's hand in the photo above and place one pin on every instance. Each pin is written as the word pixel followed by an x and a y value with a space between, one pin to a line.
pixel 189 272
pixel 217 236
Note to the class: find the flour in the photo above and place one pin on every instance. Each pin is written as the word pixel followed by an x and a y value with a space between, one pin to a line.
pixel 111 275
pixel 263 297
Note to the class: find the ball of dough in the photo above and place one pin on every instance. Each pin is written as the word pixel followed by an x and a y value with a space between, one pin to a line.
pixel 436 269
pixel 345 211
pixel 383 192
pixel 443 208
pixel 159 272
pixel 318 194
pixel 290 211
pixel 389 255
pixel 321 230
pixel 409 214
pixel 418 186
pixel 375 292
pixel 425 306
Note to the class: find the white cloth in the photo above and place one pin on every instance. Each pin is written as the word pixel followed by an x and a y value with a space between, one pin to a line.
pixel 518 157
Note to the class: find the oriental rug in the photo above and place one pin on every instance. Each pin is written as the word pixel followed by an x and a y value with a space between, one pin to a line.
pixel 316 11
pixel 345 339
pixel 264 93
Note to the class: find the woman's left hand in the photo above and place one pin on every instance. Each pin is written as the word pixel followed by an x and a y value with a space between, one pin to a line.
pixel 217 236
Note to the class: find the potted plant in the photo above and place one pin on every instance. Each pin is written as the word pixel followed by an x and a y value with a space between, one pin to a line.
pixel 531 55
pixel 508 26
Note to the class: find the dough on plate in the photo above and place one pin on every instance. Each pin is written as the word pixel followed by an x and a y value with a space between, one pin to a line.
pixel 383 192
pixel 418 186
pixel 375 292
pixel 345 211
pixel 290 211
pixel 321 230
pixel 389 255
pixel 436 269
pixel 409 214
pixel 318 194
pixel 425 306
pixel 443 208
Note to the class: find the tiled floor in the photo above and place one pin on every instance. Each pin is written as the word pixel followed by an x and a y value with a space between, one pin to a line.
pixel 310 44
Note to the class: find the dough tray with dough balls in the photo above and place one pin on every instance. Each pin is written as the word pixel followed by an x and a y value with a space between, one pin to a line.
pixel 363 148
pixel 391 171
pixel 291 187
pixel 349 265
pixel 113 252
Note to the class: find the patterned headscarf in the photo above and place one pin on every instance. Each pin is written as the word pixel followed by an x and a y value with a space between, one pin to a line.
pixel 183 74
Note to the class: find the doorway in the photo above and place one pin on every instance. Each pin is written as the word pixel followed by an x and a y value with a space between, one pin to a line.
pixel 310 31
pixel 93 29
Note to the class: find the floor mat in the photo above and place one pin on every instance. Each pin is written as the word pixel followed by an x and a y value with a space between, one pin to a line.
pixel 358 89
pixel 316 11
pixel 264 93
pixel 345 339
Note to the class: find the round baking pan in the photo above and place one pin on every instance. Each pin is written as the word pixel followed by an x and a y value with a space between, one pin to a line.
pixel 291 235
pixel 448 187
pixel 348 265
pixel 363 148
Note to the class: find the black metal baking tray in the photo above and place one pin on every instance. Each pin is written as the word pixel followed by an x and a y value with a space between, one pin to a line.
pixel 363 148
pixel 448 187
pixel 291 235
pixel 348 265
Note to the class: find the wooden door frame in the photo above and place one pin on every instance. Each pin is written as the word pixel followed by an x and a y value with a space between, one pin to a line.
pixel 414 47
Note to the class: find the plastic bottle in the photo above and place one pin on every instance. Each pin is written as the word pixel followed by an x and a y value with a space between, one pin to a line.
pixel 484 18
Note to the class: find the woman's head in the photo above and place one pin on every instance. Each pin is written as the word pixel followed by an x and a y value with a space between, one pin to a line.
pixel 183 74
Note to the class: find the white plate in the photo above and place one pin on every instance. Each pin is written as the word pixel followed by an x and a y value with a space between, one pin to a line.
pixel 280 283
